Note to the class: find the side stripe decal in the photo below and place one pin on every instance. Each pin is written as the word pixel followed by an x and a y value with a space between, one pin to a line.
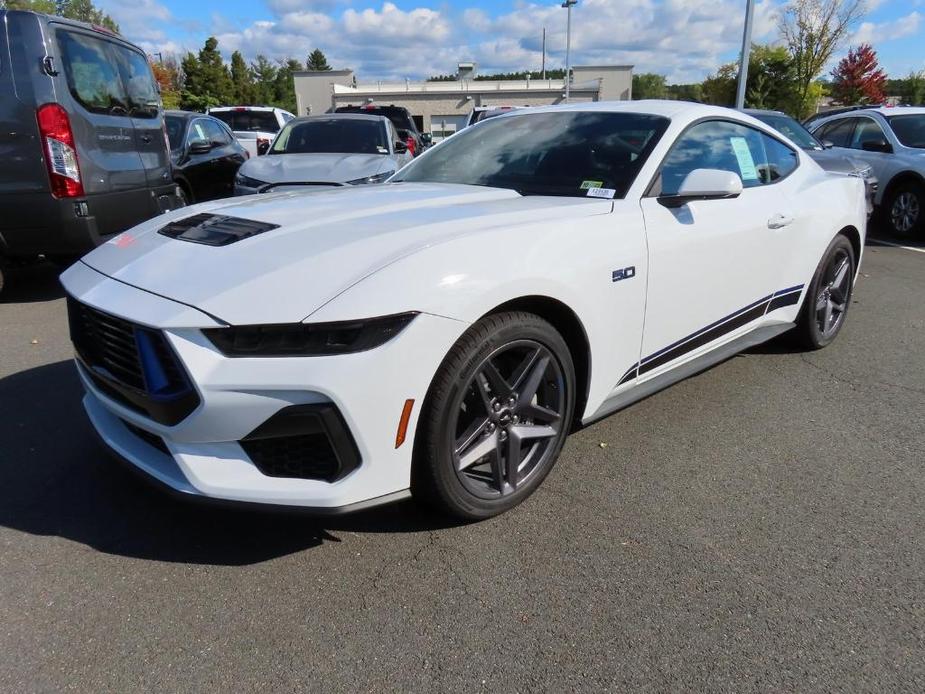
pixel 755 310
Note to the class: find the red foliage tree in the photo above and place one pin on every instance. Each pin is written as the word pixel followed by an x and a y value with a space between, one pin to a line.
pixel 858 78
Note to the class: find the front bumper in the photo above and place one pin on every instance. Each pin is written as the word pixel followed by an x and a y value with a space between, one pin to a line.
pixel 203 455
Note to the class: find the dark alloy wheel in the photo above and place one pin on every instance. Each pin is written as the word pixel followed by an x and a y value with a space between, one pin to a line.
pixel 828 297
pixel 496 417
pixel 904 209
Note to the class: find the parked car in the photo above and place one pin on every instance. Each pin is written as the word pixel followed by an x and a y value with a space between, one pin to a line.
pixel 440 334
pixel 892 142
pixel 336 149
pixel 204 154
pixel 822 153
pixel 253 126
pixel 81 141
pixel 480 113
pixel 832 112
pixel 401 118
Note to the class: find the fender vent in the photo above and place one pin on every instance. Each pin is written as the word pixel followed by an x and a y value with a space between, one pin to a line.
pixel 214 230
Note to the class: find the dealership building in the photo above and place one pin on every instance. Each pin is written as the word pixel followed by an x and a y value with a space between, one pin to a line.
pixel 441 108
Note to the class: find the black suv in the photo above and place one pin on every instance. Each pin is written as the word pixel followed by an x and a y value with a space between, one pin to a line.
pixel 83 153
pixel 401 119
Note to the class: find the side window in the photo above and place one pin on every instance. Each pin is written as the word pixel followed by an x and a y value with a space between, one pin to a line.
pixel 838 132
pixel 214 132
pixel 197 131
pixel 92 76
pixel 719 145
pixel 867 131
pixel 139 83
pixel 781 159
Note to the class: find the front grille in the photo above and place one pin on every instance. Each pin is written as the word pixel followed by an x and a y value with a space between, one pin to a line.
pixel 305 457
pixel 131 364
pixel 309 442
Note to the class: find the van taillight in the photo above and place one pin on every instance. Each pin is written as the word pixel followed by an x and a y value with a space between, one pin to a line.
pixel 60 151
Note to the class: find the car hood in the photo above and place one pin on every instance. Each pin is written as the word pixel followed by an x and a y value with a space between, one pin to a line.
pixel 326 242
pixel 315 168
pixel 836 162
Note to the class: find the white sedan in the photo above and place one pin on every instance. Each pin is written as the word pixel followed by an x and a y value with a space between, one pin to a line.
pixel 440 335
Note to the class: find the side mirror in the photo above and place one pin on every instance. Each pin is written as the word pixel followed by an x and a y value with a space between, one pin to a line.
pixel 427 139
pixel 263 146
pixel 878 145
pixel 827 144
pixel 200 147
pixel 704 184
pixel 400 147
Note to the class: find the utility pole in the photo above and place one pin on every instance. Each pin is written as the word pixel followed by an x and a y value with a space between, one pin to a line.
pixel 544 53
pixel 568 47
pixel 746 50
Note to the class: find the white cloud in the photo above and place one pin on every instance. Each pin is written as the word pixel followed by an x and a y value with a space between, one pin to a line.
pixel 874 33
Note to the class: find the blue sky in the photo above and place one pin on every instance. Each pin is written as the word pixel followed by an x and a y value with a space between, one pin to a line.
pixel 683 39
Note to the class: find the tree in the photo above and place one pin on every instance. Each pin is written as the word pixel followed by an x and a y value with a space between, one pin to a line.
pixel 207 81
pixel 771 76
pixel 813 30
pixel 167 74
pixel 81 10
pixel 264 73
pixel 685 92
pixel 720 89
pixel 317 62
pixel 858 78
pixel 913 92
pixel 242 81
pixel 284 87
pixel 648 85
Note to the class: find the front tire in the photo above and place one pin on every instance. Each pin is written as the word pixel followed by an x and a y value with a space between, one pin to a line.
pixel 495 418
pixel 826 303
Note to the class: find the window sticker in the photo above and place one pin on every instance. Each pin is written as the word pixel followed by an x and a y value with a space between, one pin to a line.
pixel 587 185
pixel 744 157
pixel 601 193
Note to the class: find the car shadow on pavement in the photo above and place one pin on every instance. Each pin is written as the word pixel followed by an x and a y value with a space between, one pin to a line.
pixel 31 283
pixel 56 479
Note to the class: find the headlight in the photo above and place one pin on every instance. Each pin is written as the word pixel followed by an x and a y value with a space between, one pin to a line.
pixel 247 181
pixel 378 178
pixel 307 339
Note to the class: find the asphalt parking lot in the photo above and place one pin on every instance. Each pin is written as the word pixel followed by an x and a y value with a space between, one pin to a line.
pixel 756 527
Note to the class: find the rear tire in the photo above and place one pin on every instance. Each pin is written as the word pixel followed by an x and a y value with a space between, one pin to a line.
pixel 825 306
pixel 495 418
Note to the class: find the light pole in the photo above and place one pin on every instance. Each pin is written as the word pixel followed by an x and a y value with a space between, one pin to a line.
pixel 746 49
pixel 568 47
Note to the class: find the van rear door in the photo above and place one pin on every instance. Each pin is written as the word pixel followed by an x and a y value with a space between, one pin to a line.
pixel 91 88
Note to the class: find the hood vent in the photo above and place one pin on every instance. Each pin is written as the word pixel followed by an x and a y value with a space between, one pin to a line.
pixel 214 229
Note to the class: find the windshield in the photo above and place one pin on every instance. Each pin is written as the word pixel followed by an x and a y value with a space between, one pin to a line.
pixel 174 127
pixel 344 135
pixel 554 153
pixel 248 121
pixel 909 129
pixel 792 129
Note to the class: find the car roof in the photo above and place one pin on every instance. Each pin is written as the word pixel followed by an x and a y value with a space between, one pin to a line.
pixel 882 110
pixel 764 112
pixel 247 108
pixel 177 113
pixel 341 116
pixel 654 107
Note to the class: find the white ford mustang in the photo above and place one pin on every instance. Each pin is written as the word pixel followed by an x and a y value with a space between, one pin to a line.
pixel 440 334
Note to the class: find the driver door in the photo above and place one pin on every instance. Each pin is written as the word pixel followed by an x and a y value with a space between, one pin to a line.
pixel 713 264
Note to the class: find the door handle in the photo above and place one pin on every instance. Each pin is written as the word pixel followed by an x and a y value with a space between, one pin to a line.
pixel 146 139
pixel 780 220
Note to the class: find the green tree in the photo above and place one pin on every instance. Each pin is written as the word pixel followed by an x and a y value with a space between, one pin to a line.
pixel 913 92
pixel 264 73
pixel 317 62
pixel 167 74
pixel 685 92
pixel 284 86
pixel 720 89
pixel 771 79
pixel 242 80
pixel 207 81
pixel 813 30
pixel 648 85
pixel 81 10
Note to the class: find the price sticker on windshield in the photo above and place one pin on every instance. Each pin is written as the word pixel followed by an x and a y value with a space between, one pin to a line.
pixel 607 193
